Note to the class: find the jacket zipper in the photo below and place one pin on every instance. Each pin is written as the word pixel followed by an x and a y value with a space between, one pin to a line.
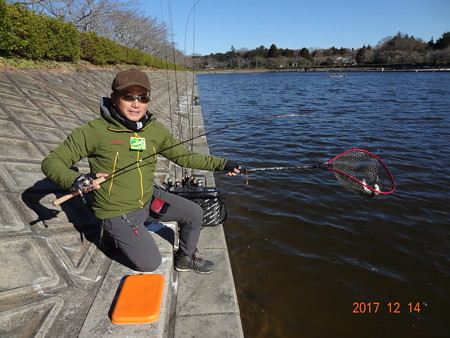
pixel 140 174
pixel 116 160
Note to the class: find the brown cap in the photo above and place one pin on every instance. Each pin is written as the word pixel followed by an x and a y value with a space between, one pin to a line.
pixel 130 77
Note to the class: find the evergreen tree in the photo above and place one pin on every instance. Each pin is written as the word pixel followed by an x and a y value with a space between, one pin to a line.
pixel 443 41
pixel 360 56
pixel 304 53
pixel 273 52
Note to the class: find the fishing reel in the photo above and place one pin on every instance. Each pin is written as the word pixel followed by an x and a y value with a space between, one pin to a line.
pixel 84 182
pixel 186 182
pixel 192 181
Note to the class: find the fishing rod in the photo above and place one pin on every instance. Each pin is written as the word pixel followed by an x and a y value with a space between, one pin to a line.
pixel 101 180
pixel 357 170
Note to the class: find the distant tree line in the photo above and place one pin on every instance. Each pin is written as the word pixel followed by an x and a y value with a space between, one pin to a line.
pixel 401 49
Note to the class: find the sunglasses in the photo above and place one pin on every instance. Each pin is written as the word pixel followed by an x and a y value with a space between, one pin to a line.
pixel 131 98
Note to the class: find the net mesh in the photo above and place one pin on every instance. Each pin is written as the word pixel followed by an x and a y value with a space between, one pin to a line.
pixel 363 173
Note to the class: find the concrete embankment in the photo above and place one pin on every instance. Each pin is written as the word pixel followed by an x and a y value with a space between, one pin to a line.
pixel 56 280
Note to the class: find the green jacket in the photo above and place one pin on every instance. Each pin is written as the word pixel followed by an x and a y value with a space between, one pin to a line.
pixel 106 144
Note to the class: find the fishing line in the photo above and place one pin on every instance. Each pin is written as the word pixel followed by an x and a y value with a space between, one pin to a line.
pixel 190 96
pixel 166 58
pixel 172 42
pixel 179 124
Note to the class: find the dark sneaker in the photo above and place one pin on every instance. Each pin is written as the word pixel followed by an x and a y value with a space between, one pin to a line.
pixel 193 263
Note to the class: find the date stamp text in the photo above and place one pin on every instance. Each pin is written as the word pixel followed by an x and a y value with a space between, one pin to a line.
pixel 390 307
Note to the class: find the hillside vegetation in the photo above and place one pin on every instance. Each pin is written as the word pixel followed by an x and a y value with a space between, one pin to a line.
pixel 26 34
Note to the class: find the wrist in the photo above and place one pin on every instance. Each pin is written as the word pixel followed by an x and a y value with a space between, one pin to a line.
pixel 230 166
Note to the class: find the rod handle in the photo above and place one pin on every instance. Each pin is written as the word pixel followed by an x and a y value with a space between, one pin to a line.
pixel 64 198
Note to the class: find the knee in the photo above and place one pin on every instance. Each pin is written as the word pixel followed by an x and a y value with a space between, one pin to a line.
pixel 192 213
pixel 196 213
pixel 150 263
pixel 193 219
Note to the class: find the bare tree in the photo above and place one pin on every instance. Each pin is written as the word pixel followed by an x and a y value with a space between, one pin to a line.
pixel 128 28
pixel 84 14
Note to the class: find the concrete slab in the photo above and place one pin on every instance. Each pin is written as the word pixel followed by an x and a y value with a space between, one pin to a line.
pixel 212 326
pixel 11 220
pixel 46 134
pixel 8 127
pixel 200 295
pixel 3 114
pixel 31 320
pixel 34 117
pixel 23 278
pixel 81 259
pixel 15 149
pixel 12 100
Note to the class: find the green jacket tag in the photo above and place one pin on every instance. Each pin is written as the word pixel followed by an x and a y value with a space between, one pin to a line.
pixel 137 143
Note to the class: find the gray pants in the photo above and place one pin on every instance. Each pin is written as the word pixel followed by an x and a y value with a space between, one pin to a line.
pixel 141 248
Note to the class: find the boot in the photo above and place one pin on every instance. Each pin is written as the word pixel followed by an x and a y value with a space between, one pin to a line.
pixel 193 263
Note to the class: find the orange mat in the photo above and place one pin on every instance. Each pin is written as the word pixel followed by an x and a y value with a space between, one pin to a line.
pixel 139 299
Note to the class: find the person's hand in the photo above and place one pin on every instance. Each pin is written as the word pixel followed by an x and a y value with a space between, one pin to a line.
pixel 95 183
pixel 87 182
pixel 234 172
pixel 232 168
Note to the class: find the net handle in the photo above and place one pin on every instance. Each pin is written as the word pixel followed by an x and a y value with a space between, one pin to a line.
pixel 324 166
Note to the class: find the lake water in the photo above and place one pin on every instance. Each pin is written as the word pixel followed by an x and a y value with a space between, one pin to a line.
pixel 309 258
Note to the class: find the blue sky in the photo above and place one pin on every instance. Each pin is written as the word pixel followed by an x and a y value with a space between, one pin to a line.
pixel 216 25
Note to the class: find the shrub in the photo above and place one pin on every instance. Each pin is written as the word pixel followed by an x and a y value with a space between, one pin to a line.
pixel 11 29
pixel 32 36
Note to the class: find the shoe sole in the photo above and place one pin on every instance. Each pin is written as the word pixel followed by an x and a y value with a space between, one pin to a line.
pixel 197 271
